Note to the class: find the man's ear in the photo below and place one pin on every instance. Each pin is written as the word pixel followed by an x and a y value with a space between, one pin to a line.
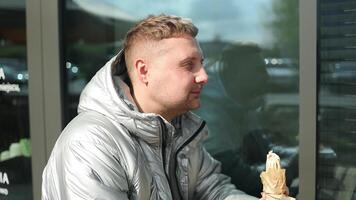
pixel 141 71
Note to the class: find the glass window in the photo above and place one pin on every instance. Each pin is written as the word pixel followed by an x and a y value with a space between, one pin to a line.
pixel 15 151
pixel 251 55
pixel 336 166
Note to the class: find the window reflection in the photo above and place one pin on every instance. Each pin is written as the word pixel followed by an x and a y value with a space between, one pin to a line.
pixel 239 105
pixel 15 151
pixel 336 106
pixel 251 53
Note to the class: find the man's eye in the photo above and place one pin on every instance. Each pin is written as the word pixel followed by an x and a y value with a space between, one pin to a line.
pixel 189 65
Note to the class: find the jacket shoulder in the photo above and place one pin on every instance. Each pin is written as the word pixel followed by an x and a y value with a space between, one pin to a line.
pixel 91 147
pixel 96 128
pixel 93 130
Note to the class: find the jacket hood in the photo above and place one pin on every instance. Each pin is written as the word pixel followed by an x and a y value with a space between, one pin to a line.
pixel 108 93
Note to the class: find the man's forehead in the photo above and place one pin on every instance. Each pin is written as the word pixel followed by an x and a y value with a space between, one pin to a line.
pixel 181 46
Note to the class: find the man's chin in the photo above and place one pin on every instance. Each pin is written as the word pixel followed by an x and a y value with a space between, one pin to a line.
pixel 195 105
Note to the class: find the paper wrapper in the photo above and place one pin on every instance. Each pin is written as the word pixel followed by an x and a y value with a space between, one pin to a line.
pixel 274 179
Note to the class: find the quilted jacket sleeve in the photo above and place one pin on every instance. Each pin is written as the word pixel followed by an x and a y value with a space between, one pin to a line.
pixel 89 171
pixel 212 184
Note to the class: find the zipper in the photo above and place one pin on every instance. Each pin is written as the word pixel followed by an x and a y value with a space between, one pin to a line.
pixel 163 151
pixel 163 141
pixel 172 176
pixel 173 163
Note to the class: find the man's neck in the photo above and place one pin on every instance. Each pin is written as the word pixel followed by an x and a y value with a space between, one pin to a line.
pixel 145 105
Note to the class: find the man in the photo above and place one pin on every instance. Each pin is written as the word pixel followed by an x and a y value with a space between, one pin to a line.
pixel 134 136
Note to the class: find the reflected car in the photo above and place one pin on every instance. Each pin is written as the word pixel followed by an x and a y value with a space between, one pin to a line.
pixel 283 74
pixel 339 77
pixel 14 71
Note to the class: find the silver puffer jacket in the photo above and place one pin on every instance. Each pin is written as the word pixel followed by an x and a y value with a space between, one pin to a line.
pixel 112 151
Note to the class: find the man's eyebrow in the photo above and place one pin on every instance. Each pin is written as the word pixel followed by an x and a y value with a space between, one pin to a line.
pixel 190 58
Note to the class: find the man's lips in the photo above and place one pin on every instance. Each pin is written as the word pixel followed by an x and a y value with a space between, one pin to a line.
pixel 196 92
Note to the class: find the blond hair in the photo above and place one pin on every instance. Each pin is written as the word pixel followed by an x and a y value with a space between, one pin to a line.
pixel 157 28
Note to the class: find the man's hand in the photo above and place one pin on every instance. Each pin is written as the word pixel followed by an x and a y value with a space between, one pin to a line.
pixel 263 196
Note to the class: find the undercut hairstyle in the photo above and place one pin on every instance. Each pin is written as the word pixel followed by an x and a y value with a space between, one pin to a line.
pixel 156 28
pixel 159 27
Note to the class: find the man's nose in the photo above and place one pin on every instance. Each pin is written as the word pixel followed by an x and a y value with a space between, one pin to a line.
pixel 202 77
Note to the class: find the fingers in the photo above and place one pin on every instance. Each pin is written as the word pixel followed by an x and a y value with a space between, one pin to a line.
pixel 263 196
pixel 286 192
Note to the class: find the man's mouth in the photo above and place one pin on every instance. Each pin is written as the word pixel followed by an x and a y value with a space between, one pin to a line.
pixel 197 92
